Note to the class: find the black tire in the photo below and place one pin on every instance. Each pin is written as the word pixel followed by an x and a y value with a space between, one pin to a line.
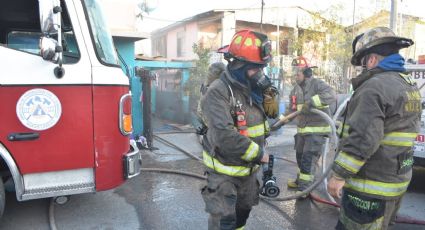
pixel 419 161
pixel 2 197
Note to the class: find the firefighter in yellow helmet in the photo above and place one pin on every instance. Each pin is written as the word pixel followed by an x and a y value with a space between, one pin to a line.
pixel 374 166
pixel 235 109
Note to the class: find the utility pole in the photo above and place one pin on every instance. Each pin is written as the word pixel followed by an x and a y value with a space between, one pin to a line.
pixel 261 22
pixel 354 18
pixel 393 17
pixel 278 37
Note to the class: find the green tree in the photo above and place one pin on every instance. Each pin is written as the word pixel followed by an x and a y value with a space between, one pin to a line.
pixel 198 74
pixel 331 43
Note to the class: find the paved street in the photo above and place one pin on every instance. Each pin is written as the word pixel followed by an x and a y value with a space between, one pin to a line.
pixel 166 201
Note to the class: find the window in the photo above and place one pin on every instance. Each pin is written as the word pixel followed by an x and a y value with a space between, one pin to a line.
pixel 160 46
pixel 105 48
pixel 25 36
pixel 29 42
pixel 180 44
pixel 24 41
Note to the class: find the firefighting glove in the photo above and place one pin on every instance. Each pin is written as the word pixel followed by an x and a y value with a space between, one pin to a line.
pixel 271 102
pixel 306 107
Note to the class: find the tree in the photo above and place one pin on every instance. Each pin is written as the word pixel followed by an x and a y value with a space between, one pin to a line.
pixel 198 74
pixel 329 44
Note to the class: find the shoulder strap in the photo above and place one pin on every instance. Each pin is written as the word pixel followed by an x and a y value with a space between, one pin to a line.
pixel 227 82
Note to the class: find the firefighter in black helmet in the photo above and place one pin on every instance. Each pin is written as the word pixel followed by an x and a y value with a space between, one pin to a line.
pixel 374 166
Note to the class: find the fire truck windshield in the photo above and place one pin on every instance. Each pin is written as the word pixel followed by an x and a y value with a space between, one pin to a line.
pixel 100 33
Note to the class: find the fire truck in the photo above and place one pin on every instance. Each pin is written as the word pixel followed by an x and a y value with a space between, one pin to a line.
pixel 418 74
pixel 65 106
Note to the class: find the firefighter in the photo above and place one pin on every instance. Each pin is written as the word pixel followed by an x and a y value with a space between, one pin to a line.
pixel 374 166
pixel 309 92
pixel 235 110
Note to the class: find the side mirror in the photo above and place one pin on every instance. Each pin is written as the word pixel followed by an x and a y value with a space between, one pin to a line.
pixel 48 48
pixel 49 16
pixel 50 23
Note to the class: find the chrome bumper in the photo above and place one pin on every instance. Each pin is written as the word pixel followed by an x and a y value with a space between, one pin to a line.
pixel 132 161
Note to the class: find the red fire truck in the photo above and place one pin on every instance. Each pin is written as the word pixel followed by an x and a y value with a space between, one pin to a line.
pixel 65 107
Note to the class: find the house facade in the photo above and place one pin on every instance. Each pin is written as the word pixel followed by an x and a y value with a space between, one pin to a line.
pixel 407 26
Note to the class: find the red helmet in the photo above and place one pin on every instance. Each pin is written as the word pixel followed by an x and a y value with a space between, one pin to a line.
pixel 249 46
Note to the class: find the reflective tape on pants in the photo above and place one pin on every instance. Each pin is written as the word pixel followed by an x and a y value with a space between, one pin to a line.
pixel 306 177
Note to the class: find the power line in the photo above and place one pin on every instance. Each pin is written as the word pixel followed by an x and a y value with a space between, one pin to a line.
pixel 188 19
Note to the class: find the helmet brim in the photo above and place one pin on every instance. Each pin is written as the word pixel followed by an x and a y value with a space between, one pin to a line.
pixel 224 49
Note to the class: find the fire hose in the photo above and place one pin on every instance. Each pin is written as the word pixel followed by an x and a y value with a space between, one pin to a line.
pixel 279 123
pixel 283 120
pixel 324 175
pixel 307 191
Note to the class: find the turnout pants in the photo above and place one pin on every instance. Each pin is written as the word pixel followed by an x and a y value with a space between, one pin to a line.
pixel 361 212
pixel 229 200
pixel 308 150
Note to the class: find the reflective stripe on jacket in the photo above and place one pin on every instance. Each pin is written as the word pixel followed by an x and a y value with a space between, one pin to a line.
pixel 381 124
pixel 319 95
pixel 229 170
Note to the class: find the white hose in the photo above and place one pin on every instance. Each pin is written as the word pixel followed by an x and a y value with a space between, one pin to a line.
pixel 326 171
pixel 325 152
pixel 52 221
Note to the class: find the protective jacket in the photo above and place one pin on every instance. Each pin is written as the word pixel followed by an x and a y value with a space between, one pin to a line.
pixel 226 151
pixel 317 94
pixel 379 128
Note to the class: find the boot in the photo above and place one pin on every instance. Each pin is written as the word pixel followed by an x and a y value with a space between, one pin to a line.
pixel 292 183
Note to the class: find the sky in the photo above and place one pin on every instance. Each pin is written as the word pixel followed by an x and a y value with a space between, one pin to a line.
pixel 169 11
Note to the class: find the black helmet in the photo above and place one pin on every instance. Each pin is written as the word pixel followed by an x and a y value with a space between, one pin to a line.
pixel 363 43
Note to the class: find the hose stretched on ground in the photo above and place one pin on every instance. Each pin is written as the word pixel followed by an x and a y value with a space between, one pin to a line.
pixel 399 219
pixel 52 220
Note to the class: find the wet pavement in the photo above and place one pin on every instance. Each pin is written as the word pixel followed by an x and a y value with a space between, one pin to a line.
pixel 168 201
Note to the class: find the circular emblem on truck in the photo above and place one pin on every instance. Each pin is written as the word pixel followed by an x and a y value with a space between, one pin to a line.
pixel 38 109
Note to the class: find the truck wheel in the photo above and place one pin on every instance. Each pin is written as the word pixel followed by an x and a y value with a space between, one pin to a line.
pixel 2 197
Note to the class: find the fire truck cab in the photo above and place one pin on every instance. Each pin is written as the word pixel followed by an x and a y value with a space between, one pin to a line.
pixel 65 106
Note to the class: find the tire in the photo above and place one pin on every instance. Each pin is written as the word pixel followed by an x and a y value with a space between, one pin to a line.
pixel 419 161
pixel 2 197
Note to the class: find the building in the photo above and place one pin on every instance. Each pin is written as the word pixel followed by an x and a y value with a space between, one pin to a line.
pixel 407 26
pixel 123 19
pixel 214 29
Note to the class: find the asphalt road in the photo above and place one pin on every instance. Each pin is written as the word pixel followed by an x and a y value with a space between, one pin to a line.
pixel 166 201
